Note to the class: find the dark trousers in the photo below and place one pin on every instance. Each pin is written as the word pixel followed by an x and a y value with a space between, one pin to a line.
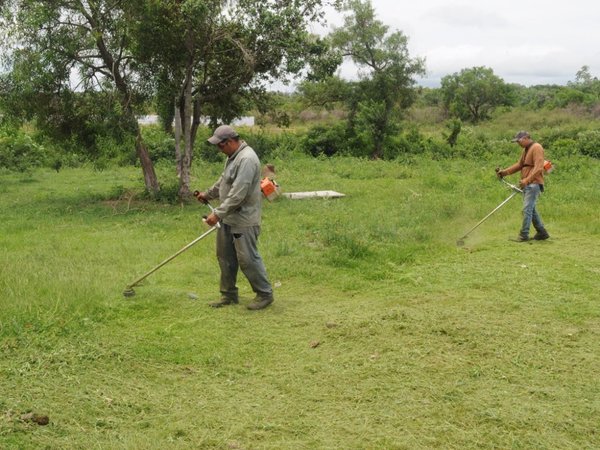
pixel 237 249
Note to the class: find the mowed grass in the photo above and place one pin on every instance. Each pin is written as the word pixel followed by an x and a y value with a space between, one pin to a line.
pixel 384 333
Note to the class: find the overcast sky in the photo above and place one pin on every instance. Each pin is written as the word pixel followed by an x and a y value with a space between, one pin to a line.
pixel 527 42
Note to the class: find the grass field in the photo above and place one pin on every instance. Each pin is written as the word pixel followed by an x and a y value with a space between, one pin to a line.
pixel 384 334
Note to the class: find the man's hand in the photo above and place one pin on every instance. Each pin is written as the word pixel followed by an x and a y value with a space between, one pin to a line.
pixel 499 173
pixel 523 183
pixel 201 196
pixel 212 219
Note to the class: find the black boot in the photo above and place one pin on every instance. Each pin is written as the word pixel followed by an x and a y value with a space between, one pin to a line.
pixel 260 302
pixel 225 301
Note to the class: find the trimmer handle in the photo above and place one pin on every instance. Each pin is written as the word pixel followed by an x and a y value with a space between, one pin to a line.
pixel 196 194
pixel 512 186
pixel 212 210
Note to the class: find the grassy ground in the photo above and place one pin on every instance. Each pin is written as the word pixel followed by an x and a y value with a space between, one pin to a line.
pixel 384 333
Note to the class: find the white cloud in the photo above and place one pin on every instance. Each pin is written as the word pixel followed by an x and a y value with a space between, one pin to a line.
pixel 522 41
pixel 466 16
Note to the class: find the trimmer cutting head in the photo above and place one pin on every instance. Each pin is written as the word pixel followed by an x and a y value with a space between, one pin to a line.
pixel 129 292
pixel 460 242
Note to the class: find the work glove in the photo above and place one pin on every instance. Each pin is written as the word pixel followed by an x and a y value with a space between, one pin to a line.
pixel 499 173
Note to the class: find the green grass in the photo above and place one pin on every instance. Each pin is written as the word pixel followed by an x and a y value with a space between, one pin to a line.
pixel 384 333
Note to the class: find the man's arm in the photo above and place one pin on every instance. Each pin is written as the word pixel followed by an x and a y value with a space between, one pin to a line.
pixel 213 191
pixel 511 169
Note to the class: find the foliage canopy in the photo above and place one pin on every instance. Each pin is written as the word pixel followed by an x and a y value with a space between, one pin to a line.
pixel 472 94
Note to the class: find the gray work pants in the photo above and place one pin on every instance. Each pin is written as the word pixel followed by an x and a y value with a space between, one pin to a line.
pixel 237 248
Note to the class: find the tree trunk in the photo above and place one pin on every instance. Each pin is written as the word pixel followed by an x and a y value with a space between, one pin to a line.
pixel 195 121
pixel 178 140
pixel 377 151
pixel 150 179
pixel 186 160
pixel 381 130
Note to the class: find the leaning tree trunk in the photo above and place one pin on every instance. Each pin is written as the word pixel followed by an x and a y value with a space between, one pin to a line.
pixel 150 180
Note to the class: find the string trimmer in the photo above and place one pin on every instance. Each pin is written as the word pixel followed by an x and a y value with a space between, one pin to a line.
pixel 129 292
pixel 515 190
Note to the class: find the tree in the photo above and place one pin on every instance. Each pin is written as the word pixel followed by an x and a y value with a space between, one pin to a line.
pixel 325 93
pixel 454 127
pixel 215 57
pixel 584 77
pixel 56 39
pixel 386 72
pixel 198 57
pixel 586 83
pixel 474 93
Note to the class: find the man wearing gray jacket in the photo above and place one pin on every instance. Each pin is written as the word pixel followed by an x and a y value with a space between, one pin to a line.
pixel 238 189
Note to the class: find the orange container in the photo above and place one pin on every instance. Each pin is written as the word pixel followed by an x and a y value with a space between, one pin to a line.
pixel 548 167
pixel 268 188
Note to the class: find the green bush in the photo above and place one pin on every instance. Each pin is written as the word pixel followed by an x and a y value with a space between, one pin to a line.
pixel 19 151
pixel 160 144
pixel 568 96
pixel 439 149
pixel 207 152
pixel 327 141
pixel 288 145
pixel 111 150
pixel 589 143
pixel 202 149
pixel 410 142
pixel 568 141
pixel 263 143
pixel 562 148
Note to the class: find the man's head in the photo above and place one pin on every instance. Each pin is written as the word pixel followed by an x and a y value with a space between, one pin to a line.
pixel 226 138
pixel 522 138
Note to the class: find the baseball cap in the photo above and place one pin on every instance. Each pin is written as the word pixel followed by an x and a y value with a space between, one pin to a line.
pixel 222 133
pixel 520 135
